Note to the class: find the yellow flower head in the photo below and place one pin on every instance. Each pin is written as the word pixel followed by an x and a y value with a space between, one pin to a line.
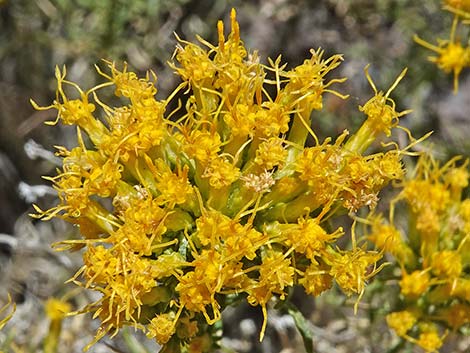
pixel 381 116
pixel 202 145
pixel 271 120
pixel 307 80
pixel 351 269
pixel 197 288
pixel 316 280
pixel 458 177
pixel 221 172
pixel 309 238
pixel 196 65
pixel 271 153
pixel 276 273
pixel 446 264
pixel 452 56
pixel 426 190
pixel 57 309
pixel 401 321
pixel 415 284
pixel 385 236
pixel 241 119
pixel 430 341
pixel 128 85
pixel 162 327
pixel 122 277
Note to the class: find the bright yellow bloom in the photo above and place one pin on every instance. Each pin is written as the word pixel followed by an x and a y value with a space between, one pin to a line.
pixel 381 116
pixel 143 223
pixel 271 153
pixel 221 173
pixel 429 341
pixel 452 56
pixel 271 120
pixel 162 327
pixel 316 280
pixel 196 66
pixel 446 264
pixel 306 81
pixel 309 238
pixel 401 321
pixel 197 288
pixel 351 269
pixel 57 309
pixel 276 273
pixel 128 85
pixel 122 277
pixel 386 237
pixel 241 120
pixel 415 284
pixel 174 187
pixel 458 177
pixel 202 145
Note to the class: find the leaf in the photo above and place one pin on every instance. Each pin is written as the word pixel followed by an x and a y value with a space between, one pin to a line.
pixel 132 343
pixel 302 325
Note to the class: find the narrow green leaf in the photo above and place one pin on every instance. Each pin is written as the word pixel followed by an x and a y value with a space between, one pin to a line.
pixel 302 325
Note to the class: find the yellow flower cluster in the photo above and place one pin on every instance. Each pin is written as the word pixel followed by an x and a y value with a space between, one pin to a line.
pixel 185 211
pixel 434 285
pixel 452 56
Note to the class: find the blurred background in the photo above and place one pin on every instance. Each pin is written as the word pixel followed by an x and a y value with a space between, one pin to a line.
pixel 37 35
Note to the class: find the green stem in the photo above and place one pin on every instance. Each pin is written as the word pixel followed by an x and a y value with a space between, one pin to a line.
pixel 362 139
pixel 291 211
pixel 98 215
pixel 284 190
pixel 140 171
pixel 234 146
pixel 201 183
pixel 52 339
pixel 298 133
pixel 178 220
pixel 218 197
pixel 132 343
pixel 251 155
pixel 238 197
